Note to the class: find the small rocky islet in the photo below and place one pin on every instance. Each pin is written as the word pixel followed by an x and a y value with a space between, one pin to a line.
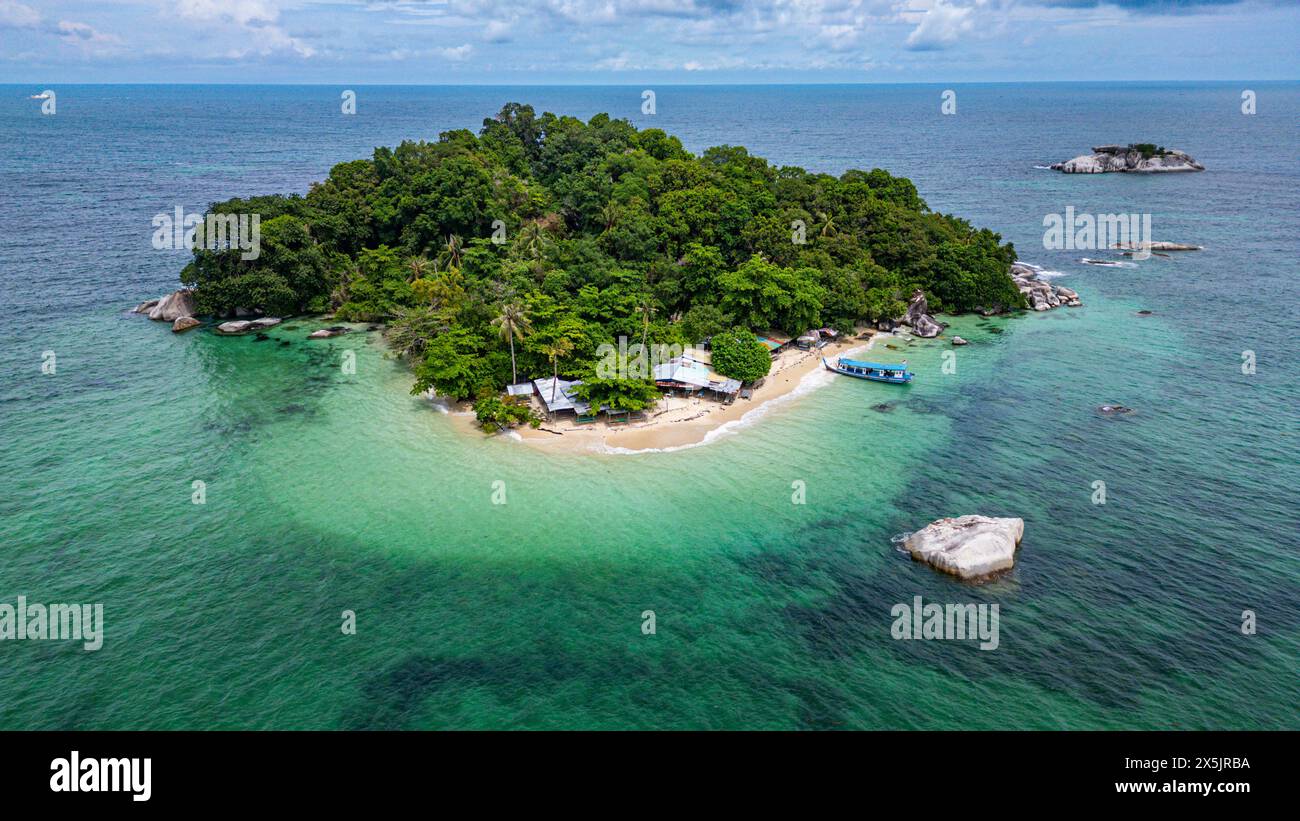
pixel 1134 158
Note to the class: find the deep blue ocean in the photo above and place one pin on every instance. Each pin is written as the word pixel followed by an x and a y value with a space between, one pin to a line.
pixel 329 493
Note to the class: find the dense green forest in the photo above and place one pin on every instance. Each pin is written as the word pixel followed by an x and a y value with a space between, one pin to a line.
pixel 522 249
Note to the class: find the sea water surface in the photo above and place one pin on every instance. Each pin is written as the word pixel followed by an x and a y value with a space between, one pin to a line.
pixel 329 491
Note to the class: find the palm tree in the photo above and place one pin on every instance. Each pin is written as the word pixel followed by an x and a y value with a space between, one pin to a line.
pixel 556 351
pixel 829 228
pixel 418 265
pixel 609 214
pixel 513 324
pixel 647 310
pixel 453 250
pixel 532 239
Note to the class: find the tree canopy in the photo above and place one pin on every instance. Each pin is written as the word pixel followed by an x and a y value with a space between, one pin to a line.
pixel 586 232
pixel 739 355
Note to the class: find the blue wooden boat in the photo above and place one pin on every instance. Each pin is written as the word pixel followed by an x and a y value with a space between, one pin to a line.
pixel 875 371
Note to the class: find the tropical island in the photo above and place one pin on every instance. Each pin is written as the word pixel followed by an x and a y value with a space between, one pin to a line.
pixel 506 265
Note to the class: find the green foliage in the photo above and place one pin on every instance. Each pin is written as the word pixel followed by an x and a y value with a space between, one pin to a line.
pixel 971 276
pixel 1149 150
pixel 618 394
pixel 703 321
pixel 609 232
pixel 453 366
pixel 738 354
pixel 495 413
pixel 762 295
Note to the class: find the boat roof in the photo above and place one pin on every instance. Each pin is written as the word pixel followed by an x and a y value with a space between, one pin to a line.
pixel 879 366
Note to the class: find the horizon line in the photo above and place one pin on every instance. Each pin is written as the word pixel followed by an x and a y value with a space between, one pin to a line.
pixel 634 85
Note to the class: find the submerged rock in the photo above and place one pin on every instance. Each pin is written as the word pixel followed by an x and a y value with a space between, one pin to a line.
pixel 184 323
pixel 957 340
pixel 967 546
pixel 1114 409
pixel 1129 158
pixel 265 322
pixel 326 333
pixel 174 306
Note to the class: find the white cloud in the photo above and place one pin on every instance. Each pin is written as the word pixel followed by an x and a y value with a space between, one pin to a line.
pixel 458 53
pixel 81 32
pixel 498 31
pixel 941 27
pixel 16 15
pixel 256 21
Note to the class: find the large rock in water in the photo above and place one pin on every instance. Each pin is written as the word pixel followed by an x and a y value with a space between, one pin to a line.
pixel 1128 158
pixel 1155 246
pixel 918 317
pixel 968 546
pixel 1040 294
pixel 174 306
pixel 184 323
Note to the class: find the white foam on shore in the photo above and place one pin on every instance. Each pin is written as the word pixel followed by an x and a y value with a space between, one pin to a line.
pixel 1040 271
pixel 439 403
pixel 811 381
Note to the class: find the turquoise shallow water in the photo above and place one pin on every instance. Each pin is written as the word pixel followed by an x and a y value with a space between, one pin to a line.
pixel 329 491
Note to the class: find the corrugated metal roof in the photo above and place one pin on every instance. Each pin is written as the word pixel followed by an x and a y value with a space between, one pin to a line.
pixel 678 371
pixel 563 395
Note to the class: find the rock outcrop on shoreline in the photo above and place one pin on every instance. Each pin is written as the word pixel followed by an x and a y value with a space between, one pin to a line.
pixel 968 547
pixel 1128 158
pixel 169 308
pixel 1040 294
pixel 918 317
pixel 184 323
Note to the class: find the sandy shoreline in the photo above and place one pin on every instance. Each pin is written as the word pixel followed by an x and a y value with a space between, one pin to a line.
pixel 681 422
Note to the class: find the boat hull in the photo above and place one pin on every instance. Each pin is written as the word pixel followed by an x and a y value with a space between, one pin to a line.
pixel 876 376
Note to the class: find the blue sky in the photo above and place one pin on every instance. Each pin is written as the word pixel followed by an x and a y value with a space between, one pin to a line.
pixel 637 41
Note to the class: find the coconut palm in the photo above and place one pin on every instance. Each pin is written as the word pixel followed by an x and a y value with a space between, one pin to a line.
pixel 609 214
pixel 419 266
pixel 452 251
pixel 556 351
pixel 829 228
pixel 647 310
pixel 512 324
pixel 531 240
